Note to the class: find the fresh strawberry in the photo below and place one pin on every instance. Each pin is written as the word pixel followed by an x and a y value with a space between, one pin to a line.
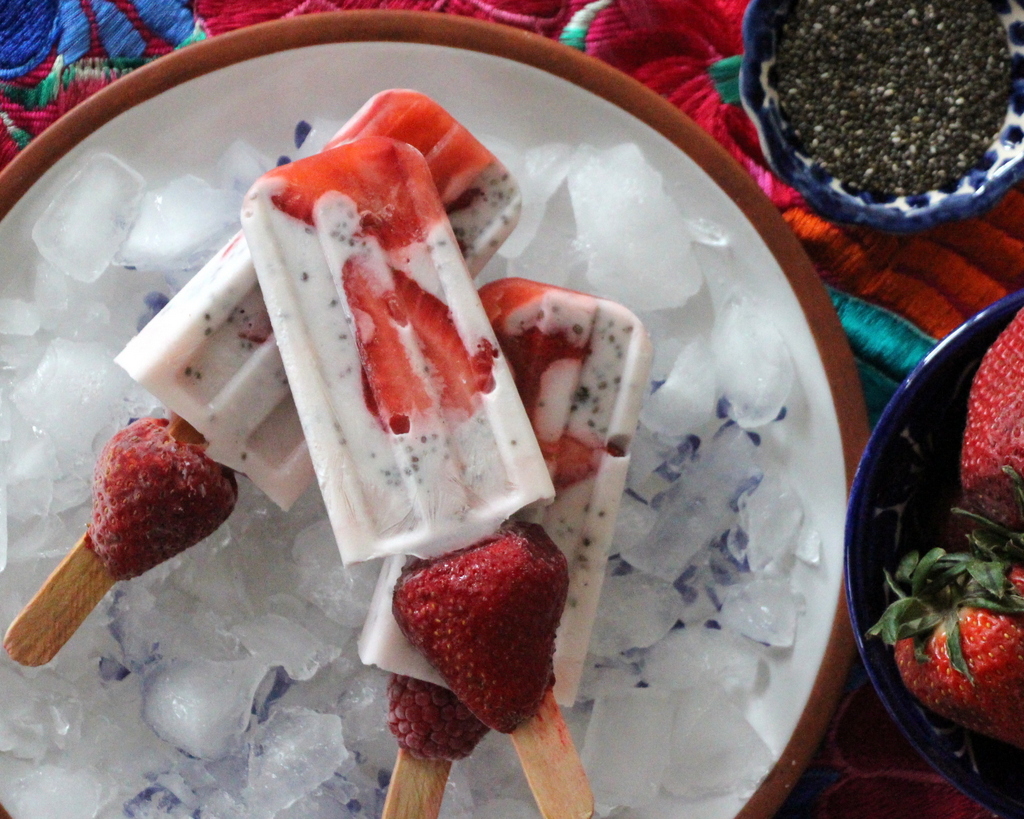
pixel 429 721
pixel 515 308
pixel 994 434
pixel 485 618
pixel 153 497
pixel 958 630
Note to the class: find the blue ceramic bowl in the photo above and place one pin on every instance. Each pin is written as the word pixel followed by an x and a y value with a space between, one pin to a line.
pixel 903 483
pixel 980 188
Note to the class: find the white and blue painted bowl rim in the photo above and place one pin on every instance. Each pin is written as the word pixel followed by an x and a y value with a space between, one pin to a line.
pixel 979 189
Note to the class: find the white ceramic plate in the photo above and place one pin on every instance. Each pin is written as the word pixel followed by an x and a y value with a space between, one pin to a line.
pixel 179 114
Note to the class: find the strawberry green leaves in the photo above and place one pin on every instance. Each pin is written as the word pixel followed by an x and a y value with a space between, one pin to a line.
pixel 932 590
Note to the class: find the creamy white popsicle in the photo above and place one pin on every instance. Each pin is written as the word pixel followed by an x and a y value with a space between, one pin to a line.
pixel 418 436
pixel 210 355
pixel 581 365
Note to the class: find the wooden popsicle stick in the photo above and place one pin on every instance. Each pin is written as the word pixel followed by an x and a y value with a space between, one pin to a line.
pixel 417 787
pixel 47 622
pixel 181 430
pixel 553 768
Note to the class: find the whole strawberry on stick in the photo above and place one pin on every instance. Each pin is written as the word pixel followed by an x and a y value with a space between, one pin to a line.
pixel 155 493
pixel 485 618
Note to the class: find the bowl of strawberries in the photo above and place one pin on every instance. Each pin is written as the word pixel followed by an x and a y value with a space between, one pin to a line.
pixel 935 557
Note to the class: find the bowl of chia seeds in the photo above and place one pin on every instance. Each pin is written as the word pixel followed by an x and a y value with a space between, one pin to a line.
pixel 905 484
pixel 893 114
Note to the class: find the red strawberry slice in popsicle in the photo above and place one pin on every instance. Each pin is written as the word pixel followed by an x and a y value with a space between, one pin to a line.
pixel 532 354
pixel 453 154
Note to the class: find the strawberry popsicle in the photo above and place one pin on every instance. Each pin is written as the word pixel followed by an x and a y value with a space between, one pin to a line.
pixel 418 436
pixel 210 355
pixel 581 365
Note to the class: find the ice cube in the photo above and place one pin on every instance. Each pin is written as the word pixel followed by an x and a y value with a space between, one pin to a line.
pixel 361 708
pixel 276 640
pixel 700 503
pixel 32 462
pixel 635 611
pixel 632 524
pixel 457 802
pixel 201 706
pixel 708 232
pixel 153 622
pixel 42 538
pixel 87 371
pixel 156 802
pixel 6 416
pixel 696 656
pixel 4 540
pixel 36 716
pixel 719 266
pixel 347 794
pixel 765 609
pixel 755 368
pixel 53 792
pixel 342 593
pixel 771 516
pixel 686 400
pixel 180 225
pixel 18 317
pixel 630 229
pixel 808 546
pixel 714 749
pixel 494 768
pixel 239 166
pixel 603 675
pixel 89 321
pixel 292 753
pixel 552 256
pixel 543 170
pixel 50 294
pixel 87 221
pixel 627 745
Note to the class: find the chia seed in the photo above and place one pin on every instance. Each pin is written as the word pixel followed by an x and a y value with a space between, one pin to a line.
pixel 894 96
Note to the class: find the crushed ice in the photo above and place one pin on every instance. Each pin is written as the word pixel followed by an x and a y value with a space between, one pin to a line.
pixel 225 682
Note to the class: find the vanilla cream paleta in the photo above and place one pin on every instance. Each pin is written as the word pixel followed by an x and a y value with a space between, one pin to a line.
pixel 416 431
pixel 210 355
pixel 582 366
